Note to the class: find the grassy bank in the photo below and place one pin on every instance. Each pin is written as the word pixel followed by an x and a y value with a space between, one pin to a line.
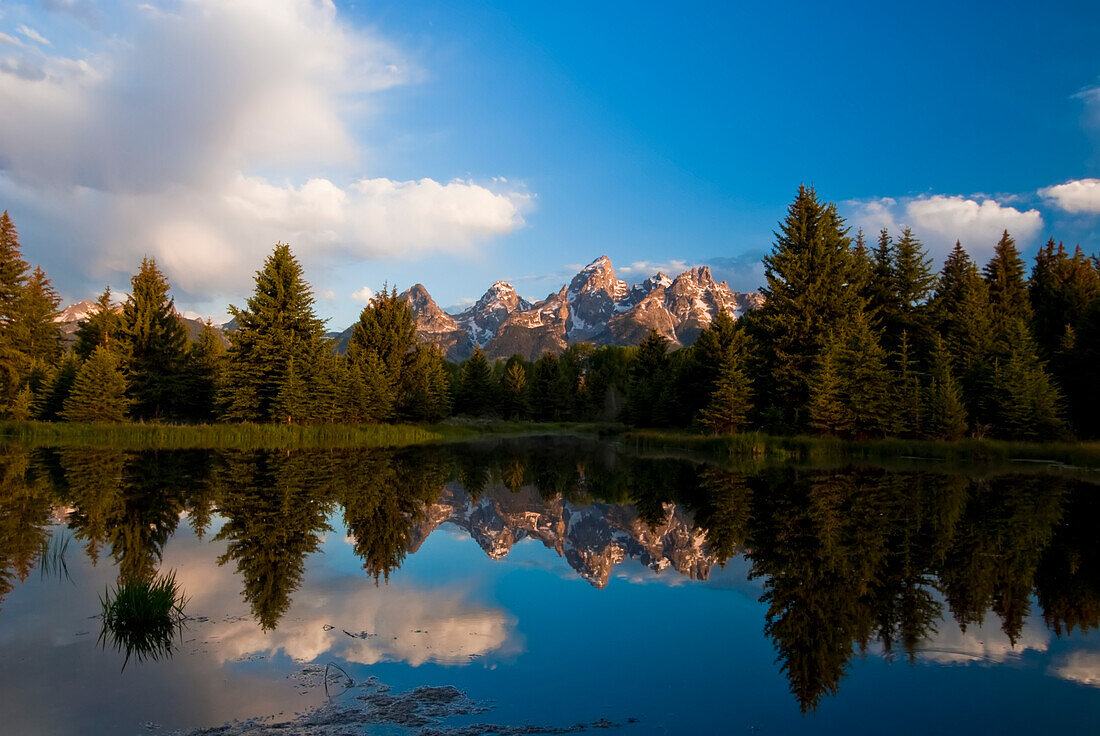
pixel 754 446
pixel 213 436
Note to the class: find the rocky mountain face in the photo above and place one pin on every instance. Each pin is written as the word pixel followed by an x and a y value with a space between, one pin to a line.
pixel 594 306
pixel 592 539
pixel 71 316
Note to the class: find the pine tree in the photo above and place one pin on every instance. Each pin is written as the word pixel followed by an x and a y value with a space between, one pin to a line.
pixel 22 407
pixel 36 334
pixel 55 387
pixel 206 366
pixel 828 405
pixel 292 402
pixel 913 281
pixel 475 394
pixel 1026 403
pixel 387 330
pixel 378 394
pixel 515 389
pixel 99 393
pixel 961 314
pixel 13 279
pixel 882 292
pixel 945 416
pixel 1005 274
pixel 852 387
pixel 102 326
pixel 425 391
pixel 155 341
pixel 907 398
pixel 546 402
pixel 648 376
pixel 808 294
pixel 730 402
pixel 1061 289
pixel 277 325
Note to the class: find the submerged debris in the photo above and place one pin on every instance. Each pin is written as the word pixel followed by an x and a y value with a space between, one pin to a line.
pixel 370 703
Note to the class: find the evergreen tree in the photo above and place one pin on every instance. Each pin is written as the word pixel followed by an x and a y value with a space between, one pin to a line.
pixel 1078 363
pixel 292 401
pixel 99 392
pixel 206 362
pixel 647 379
pixel 863 268
pixel 913 282
pixel 1005 275
pixel 55 387
pixel 1026 403
pixel 852 388
pixel 961 314
pixel 1061 289
pixel 387 330
pixel 22 407
pixel 907 398
pixel 945 416
pixel 730 402
pixel 102 326
pixel 882 293
pixel 476 393
pixel 278 325
pixel 425 391
pixel 514 386
pixel 13 279
pixel 547 403
pixel 808 294
pixel 155 342
pixel 378 394
pixel 36 334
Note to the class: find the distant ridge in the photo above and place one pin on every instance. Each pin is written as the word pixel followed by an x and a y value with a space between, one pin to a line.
pixel 594 306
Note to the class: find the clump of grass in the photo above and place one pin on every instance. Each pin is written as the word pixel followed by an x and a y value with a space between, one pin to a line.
pixel 246 436
pixel 52 562
pixel 142 617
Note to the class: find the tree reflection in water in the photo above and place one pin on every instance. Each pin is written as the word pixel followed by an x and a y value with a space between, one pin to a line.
pixel 848 558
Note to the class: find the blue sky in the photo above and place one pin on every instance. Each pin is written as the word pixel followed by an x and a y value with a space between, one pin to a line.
pixel 458 143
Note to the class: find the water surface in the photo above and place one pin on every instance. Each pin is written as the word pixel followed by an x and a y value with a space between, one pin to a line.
pixel 554 583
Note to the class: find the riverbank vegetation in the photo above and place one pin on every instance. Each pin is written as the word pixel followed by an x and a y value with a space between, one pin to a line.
pixel 853 341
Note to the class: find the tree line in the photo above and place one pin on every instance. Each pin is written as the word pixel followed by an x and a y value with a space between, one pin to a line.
pixel 854 339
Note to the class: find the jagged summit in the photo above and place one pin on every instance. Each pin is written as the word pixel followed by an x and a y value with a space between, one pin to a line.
pixel 595 306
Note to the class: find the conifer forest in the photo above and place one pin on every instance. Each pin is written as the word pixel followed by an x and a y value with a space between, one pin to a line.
pixel 860 335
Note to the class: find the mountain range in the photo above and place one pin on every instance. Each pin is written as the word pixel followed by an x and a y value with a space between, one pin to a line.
pixel 595 306
pixel 593 539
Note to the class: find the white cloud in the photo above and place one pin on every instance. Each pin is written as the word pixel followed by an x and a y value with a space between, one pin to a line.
pixel 1081 195
pixel 939 220
pixel 981 644
pixel 1082 667
pixel 363 295
pixel 33 35
pixel 210 133
pixel 645 269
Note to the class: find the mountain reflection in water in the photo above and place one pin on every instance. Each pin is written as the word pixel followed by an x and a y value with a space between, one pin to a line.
pixel 846 559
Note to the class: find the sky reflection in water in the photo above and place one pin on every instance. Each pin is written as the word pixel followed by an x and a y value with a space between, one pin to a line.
pixel 563 581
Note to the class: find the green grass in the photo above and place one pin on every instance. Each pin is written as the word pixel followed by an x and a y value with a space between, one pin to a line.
pixel 213 436
pixel 142 617
pixel 759 448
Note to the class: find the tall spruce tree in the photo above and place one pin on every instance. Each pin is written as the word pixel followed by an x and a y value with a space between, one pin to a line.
pixel 277 325
pixel 13 279
pixel 913 282
pixel 852 389
pixel 102 326
pixel 961 314
pixel 476 393
pixel 1005 275
pixel 155 341
pixel 387 330
pixel 425 392
pixel 99 392
pixel 731 400
pixel 1061 289
pixel 648 377
pixel 206 368
pixel 514 385
pixel 809 293
pixel 37 334
pixel 945 415
pixel 1026 403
